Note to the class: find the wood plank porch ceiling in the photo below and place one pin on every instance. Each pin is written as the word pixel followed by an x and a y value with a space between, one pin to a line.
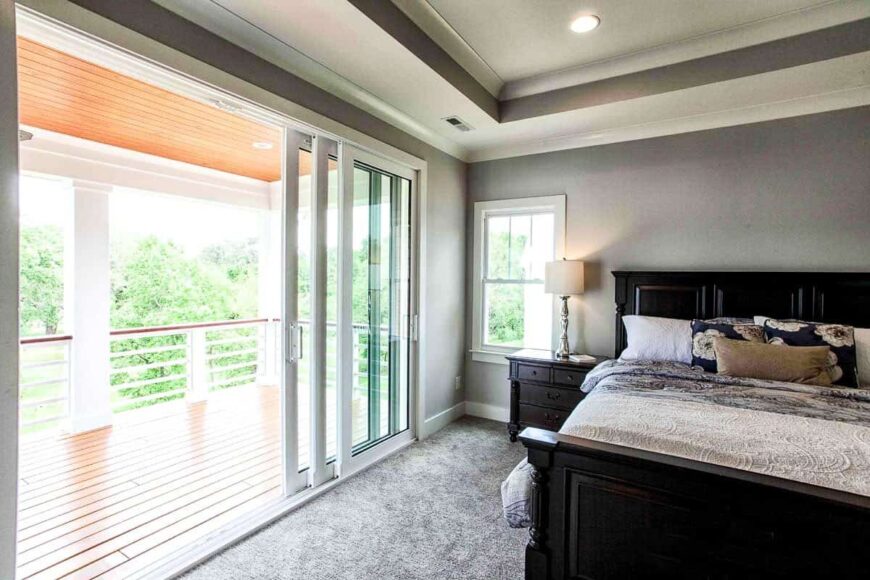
pixel 62 93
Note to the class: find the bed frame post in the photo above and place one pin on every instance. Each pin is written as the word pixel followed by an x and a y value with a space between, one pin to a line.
pixel 621 300
pixel 538 556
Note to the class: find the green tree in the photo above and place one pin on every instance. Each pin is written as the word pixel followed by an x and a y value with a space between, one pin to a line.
pixel 237 258
pixel 157 284
pixel 41 281
pixel 238 262
pixel 506 312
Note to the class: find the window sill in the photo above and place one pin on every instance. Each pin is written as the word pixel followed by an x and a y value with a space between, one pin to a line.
pixel 490 356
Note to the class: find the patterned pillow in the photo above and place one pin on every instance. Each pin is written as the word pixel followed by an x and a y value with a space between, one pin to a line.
pixel 843 366
pixel 704 331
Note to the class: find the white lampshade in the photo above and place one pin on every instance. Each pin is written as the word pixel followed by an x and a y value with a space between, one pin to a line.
pixel 563 277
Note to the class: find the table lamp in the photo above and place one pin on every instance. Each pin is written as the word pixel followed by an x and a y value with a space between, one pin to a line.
pixel 564 278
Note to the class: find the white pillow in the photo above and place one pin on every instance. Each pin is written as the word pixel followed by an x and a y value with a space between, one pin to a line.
pixel 653 338
pixel 760 320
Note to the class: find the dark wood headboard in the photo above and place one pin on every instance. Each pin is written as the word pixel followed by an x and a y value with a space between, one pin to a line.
pixel 823 297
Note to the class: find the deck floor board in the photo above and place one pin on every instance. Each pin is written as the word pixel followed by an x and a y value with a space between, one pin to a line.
pixel 111 502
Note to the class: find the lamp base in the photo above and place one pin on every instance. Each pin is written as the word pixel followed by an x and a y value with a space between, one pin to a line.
pixel 564 350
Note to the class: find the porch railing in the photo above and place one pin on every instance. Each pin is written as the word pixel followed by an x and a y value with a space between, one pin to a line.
pixel 152 365
pixel 158 364
pixel 44 381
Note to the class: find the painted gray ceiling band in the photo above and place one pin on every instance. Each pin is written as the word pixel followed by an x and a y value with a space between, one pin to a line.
pixel 397 24
pixel 825 44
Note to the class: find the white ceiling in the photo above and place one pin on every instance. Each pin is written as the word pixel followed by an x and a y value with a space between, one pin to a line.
pixel 524 38
pixel 337 47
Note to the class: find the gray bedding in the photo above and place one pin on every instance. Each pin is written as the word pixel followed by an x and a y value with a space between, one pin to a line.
pixel 817 435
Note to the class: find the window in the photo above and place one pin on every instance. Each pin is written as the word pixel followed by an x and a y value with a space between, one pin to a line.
pixel 513 239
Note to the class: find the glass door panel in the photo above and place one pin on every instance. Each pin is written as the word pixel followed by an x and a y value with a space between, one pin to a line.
pixel 381 280
pixel 303 303
pixel 332 368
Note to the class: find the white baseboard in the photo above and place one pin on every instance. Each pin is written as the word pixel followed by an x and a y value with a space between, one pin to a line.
pixel 485 411
pixel 442 419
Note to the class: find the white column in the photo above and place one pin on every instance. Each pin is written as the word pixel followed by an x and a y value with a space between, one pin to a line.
pixel 90 406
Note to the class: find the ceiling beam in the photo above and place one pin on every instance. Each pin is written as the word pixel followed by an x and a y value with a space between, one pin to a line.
pixel 819 45
pixel 397 24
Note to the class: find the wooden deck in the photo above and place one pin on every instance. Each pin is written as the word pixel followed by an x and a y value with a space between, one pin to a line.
pixel 109 502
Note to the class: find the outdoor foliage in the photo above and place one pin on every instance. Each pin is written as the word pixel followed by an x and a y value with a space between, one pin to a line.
pixel 41 283
pixel 505 304
pixel 156 284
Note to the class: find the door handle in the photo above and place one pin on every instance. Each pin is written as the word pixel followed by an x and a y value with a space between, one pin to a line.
pixel 294 342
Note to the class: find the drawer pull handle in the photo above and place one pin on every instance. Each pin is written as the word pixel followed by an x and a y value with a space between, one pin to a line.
pixel 570 377
pixel 534 372
pixel 554 396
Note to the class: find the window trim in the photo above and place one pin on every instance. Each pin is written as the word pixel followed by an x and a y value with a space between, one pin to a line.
pixel 482 210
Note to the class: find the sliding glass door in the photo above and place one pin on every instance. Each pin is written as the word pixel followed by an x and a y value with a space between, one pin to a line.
pixel 381 312
pixel 349 308
pixel 378 290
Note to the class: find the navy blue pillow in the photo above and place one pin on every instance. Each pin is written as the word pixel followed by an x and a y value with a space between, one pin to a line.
pixel 704 331
pixel 843 366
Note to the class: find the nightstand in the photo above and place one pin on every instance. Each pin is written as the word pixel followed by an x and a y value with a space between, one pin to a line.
pixel 544 389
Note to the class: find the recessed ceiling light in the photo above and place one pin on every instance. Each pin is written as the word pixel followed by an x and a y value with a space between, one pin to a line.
pixel 585 23
pixel 264 145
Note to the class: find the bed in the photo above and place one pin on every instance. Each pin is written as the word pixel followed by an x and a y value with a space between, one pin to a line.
pixel 686 486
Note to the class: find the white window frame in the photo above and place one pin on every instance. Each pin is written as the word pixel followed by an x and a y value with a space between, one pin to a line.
pixel 554 204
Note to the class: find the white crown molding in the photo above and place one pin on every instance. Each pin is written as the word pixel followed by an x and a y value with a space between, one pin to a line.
pixel 217 19
pixel 832 101
pixel 757 32
pixel 444 35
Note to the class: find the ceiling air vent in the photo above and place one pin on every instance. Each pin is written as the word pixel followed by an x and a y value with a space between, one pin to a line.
pixel 458 123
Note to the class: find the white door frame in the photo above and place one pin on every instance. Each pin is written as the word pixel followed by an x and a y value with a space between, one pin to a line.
pixel 349 463
pixel 8 291
pixel 322 147
pixel 291 344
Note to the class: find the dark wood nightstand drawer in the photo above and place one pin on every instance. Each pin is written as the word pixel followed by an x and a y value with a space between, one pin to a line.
pixel 550 396
pixel 533 373
pixel 544 389
pixel 551 419
pixel 570 378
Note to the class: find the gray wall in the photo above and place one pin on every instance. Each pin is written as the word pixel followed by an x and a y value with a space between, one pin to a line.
pixel 792 194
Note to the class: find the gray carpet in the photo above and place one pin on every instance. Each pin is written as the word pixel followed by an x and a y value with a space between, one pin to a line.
pixel 432 511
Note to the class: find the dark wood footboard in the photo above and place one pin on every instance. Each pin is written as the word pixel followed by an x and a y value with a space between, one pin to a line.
pixel 605 511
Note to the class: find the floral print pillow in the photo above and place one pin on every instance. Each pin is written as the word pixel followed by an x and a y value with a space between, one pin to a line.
pixel 704 331
pixel 842 361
